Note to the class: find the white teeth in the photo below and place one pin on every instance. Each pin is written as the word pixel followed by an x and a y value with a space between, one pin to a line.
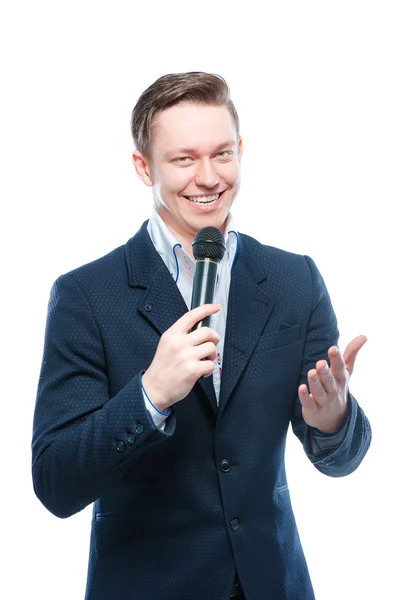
pixel 203 199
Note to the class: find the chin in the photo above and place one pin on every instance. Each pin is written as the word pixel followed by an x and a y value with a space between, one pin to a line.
pixel 211 221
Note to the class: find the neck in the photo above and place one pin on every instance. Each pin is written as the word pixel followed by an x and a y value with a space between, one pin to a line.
pixel 186 237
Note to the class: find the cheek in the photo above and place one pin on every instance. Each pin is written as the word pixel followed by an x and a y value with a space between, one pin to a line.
pixel 175 181
pixel 230 173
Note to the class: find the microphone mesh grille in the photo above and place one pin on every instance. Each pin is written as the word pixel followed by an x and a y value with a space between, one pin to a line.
pixel 209 243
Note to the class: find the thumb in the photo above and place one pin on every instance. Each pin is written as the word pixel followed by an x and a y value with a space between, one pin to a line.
pixel 351 352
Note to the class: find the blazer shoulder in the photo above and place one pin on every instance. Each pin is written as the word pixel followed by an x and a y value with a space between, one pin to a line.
pixel 280 265
pixel 266 255
pixel 111 268
pixel 97 269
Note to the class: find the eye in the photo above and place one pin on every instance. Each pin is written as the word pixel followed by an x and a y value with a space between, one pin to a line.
pixel 225 154
pixel 182 159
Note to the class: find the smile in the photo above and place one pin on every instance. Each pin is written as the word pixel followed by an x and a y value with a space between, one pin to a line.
pixel 204 199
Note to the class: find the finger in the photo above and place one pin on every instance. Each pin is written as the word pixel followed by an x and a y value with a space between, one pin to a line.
pixel 206 350
pixel 190 318
pixel 325 376
pixel 316 388
pixel 338 368
pixel 351 351
pixel 305 398
pixel 203 334
pixel 206 368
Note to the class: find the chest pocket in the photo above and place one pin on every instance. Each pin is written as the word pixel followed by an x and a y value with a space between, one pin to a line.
pixel 285 336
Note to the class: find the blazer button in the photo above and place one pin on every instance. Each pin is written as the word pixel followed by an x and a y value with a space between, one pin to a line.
pixel 225 465
pixel 130 438
pixel 235 524
pixel 139 428
pixel 120 446
pixel 148 307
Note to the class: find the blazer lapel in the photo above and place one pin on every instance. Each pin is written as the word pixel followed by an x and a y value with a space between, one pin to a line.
pixel 249 309
pixel 162 304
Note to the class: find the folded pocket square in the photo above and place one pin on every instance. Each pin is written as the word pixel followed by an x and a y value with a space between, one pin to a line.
pixel 286 334
pixel 284 325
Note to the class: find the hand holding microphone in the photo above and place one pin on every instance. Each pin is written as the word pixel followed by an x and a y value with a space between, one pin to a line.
pixel 186 351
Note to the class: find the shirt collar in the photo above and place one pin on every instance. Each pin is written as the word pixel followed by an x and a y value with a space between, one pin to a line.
pixel 172 253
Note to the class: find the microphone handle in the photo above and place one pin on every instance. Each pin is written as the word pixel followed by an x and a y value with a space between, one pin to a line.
pixel 204 287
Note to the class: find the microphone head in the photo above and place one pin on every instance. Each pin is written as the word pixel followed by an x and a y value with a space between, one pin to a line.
pixel 209 243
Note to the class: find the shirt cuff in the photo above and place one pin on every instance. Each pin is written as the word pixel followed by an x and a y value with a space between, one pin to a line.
pixel 327 441
pixel 158 417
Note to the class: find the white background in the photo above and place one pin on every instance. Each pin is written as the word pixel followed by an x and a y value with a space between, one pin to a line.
pixel 316 87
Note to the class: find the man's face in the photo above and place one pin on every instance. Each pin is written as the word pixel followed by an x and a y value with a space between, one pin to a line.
pixel 195 167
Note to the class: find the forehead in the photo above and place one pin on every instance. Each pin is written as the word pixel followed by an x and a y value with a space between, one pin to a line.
pixel 192 125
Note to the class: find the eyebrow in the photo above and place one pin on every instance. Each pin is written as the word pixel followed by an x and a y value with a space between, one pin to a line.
pixel 193 150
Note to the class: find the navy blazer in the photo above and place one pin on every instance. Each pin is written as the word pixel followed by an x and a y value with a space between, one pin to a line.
pixel 177 512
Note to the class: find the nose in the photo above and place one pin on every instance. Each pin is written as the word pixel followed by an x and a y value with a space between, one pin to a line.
pixel 206 175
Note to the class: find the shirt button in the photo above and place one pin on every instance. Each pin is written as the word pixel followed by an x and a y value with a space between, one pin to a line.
pixel 225 465
pixel 235 524
pixel 139 428
pixel 130 438
pixel 120 446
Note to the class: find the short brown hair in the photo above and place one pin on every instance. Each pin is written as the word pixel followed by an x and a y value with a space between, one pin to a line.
pixel 171 89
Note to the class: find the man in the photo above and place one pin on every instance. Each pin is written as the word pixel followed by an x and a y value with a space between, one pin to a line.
pixel 178 436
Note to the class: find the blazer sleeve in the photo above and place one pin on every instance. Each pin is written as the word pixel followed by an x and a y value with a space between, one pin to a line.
pixel 321 334
pixel 83 440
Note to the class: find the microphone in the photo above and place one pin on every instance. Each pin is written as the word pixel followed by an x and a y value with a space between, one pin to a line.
pixel 208 249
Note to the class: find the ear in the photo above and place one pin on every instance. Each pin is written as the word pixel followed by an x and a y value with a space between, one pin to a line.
pixel 240 148
pixel 142 166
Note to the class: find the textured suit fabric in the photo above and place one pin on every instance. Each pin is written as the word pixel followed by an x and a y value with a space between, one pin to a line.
pixel 171 520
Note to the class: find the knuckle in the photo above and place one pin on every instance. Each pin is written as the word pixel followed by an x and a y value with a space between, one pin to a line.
pixel 174 349
pixel 174 346
pixel 206 349
pixel 209 367
pixel 184 356
pixel 205 332
pixel 189 369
